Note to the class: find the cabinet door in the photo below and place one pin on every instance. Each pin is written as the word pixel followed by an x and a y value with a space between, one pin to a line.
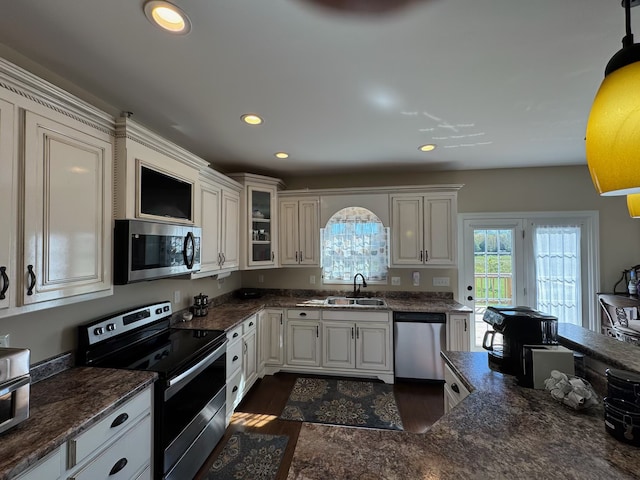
pixel 249 362
pixel 271 338
pixel 458 332
pixel 303 343
pixel 289 239
pixel 210 222
pixel 67 228
pixel 262 226
pixel 407 230
pixel 230 230
pixel 8 205
pixel 439 231
pixel 373 346
pixel 308 232
pixel 338 345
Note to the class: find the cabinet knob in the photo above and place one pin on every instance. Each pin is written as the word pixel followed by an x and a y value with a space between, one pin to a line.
pixel 235 358
pixel 469 287
pixel 454 387
pixel 469 298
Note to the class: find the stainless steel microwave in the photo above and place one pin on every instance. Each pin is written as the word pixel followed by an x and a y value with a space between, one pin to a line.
pixel 146 250
pixel 15 386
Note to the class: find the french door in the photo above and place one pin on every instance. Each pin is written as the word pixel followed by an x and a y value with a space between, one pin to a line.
pixel 546 261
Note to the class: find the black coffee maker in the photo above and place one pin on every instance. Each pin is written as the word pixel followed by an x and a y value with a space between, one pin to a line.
pixel 512 328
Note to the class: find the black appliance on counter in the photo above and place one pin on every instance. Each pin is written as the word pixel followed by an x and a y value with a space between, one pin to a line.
pixel 190 393
pixel 512 329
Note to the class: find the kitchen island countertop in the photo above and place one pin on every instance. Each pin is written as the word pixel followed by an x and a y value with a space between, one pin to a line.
pixel 499 431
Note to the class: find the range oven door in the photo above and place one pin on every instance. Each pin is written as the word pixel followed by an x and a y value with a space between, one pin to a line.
pixel 190 416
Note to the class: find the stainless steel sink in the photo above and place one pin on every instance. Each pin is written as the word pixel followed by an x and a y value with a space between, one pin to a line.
pixel 355 302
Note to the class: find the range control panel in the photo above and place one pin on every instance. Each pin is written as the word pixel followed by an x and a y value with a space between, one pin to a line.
pixel 123 322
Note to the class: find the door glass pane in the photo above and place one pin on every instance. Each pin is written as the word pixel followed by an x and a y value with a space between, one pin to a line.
pixel 493 274
pixel 557 260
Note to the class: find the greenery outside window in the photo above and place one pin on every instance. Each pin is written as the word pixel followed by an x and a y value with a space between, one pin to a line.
pixel 354 240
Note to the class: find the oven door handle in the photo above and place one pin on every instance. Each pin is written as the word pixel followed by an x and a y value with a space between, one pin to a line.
pixel 175 383
pixel 13 385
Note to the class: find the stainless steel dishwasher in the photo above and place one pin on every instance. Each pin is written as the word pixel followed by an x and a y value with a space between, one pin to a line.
pixel 418 338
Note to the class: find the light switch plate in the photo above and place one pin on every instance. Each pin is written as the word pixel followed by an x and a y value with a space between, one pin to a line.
pixel 4 340
pixel 260 278
pixel 312 279
pixel 395 280
pixel 440 281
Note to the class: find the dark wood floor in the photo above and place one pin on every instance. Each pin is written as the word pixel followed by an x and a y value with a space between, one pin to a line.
pixel 420 405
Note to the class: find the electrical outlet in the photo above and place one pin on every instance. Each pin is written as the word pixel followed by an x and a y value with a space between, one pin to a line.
pixel 395 280
pixel 260 278
pixel 312 279
pixel 4 340
pixel 440 281
pixel 177 297
pixel 415 277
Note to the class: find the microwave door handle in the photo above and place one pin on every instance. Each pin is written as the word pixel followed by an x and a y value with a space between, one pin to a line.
pixel 14 385
pixel 189 240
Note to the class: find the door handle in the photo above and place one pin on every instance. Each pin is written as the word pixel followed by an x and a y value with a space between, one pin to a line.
pixel 32 277
pixel 5 282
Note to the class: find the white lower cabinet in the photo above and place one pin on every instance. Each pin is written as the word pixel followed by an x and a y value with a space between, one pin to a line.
pixel 340 342
pixel 271 339
pixel 458 335
pixel 454 390
pixel 118 447
pixel 242 362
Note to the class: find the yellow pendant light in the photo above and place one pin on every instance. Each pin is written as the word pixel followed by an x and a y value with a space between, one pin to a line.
pixel 633 204
pixel 612 137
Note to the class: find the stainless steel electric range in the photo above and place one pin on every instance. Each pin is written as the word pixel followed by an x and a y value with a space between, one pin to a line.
pixel 190 394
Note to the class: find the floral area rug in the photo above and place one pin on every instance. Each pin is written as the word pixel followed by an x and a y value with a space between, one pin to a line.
pixel 343 402
pixel 251 456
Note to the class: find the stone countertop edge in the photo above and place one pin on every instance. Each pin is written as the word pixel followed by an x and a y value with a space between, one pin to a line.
pixel 63 406
pixel 228 315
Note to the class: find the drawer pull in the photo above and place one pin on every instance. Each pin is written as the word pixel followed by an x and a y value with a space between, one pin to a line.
pixel 120 419
pixel 5 281
pixel 235 358
pixel 454 387
pixel 251 324
pixel 234 389
pixel 119 465
pixel 302 314
pixel 235 335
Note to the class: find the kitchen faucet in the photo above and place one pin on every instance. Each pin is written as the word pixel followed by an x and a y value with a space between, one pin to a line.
pixel 356 292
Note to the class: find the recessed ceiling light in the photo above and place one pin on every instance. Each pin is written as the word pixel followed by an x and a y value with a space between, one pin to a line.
pixel 282 155
pixel 167 16
pixel 252 119
pixel 427 148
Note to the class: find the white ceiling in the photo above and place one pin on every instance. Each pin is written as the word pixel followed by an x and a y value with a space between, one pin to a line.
pixel 494 83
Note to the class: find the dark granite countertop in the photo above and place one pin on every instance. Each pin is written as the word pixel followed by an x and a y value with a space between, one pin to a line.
pixel 500 431
pixel 229 314
pixel 61 407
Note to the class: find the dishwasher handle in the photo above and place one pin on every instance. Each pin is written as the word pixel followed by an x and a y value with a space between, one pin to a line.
pixel 419 317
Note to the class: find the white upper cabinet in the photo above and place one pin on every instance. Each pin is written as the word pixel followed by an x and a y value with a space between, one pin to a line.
pixel 299 231
pixel 423 230
pixel 154 178
pixel 219 210
pixel 56 235
pixel 259 232
pixel 8 200
pixel 67 209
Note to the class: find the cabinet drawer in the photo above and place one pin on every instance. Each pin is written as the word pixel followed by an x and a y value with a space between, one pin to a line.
pixel 121 419
pixel 355 316
pixel 454 386
pixel 234 389
pixel 124 459
pixel 234 357
pixel 234 334
pixel 250 324
pixel 303 314
pixel 49 468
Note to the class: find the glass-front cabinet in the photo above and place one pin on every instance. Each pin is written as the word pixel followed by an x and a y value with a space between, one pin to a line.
pixel 260 231
pixel 261 211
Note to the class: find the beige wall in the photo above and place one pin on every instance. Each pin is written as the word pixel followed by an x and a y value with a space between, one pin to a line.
pixel 51 332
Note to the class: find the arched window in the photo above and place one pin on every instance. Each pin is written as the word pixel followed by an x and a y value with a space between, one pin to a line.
pixel 354 240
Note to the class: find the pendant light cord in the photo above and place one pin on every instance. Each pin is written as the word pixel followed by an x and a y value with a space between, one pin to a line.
pixel 627 41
